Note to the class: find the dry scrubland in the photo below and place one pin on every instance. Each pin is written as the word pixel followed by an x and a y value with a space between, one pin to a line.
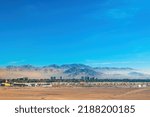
pixel 70 93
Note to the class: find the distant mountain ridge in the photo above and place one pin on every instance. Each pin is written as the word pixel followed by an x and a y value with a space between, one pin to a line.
pixel 71 71
pixel 28 66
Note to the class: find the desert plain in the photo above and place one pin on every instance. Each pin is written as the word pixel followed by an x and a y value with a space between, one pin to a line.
pixel 73 93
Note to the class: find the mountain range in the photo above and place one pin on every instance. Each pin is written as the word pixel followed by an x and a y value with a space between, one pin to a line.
pixel 69 71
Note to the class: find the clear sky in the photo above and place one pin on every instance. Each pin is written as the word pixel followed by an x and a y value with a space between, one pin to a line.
pixel 95 32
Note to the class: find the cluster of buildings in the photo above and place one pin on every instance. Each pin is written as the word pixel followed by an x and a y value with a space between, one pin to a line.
pixel 80 84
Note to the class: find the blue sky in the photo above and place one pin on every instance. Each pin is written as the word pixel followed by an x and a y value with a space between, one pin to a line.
pixel 95 32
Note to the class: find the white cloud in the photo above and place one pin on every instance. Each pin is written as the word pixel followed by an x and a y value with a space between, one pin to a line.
pixel 121 13
pixel 115 63
pixel 16 62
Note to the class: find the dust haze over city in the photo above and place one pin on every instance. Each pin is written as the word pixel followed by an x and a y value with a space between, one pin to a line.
pixel 99 44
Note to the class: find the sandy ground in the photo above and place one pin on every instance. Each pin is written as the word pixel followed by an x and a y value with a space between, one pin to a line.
pixel 64 93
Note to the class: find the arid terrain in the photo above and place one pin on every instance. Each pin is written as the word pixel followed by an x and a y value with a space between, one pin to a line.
pixel 67 93
pixel 60 84
pixel 68 71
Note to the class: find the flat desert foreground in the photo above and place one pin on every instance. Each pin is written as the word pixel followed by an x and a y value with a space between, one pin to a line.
pixel 69 93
